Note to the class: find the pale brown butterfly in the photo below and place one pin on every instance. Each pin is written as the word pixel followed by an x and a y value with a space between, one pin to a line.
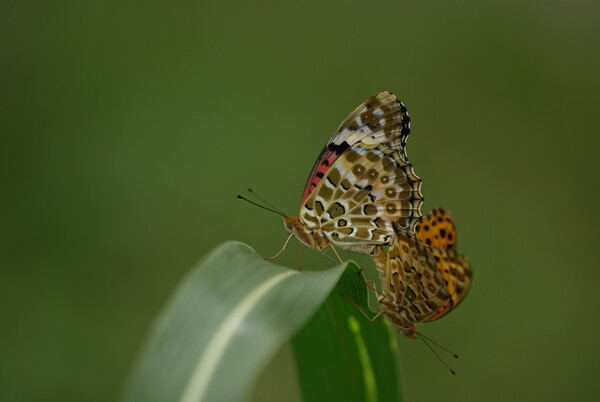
pixel 361 183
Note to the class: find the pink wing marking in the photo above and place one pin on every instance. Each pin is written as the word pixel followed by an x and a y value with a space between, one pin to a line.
pixel 359 126
pixel 318 173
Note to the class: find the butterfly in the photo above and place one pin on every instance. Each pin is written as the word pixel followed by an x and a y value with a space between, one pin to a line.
pixel 422 275
pixel 361 183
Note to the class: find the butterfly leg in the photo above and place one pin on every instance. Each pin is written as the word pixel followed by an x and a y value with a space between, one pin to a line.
pixel 335 252
pixel 370 284
pixel 299 256
pixel 326 256
pixel 282 249
pixel 379 312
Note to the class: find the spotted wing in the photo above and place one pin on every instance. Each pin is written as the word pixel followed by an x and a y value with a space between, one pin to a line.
pixel 381 119
pixel 457 273
pixel 413 286
pixel 368 188
pixel 437 230
pixel 438 233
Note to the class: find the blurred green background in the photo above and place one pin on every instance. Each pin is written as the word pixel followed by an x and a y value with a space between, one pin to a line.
pixel 127 128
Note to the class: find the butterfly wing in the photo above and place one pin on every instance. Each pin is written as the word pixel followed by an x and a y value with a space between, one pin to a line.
pixel 457 274
pixel 422 272
pixel 437 230
pixel 381 119
pixel 365 190
pixel 438 233
pixel 410 280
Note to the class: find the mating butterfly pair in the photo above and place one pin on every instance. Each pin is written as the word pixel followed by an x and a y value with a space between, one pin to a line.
pixel 362 194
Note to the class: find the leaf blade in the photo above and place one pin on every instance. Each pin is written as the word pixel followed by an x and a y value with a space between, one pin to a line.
pixel 361 361
pixel 225 321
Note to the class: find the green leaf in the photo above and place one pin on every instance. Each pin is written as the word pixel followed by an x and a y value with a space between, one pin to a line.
pixel 223 324
pixel 343 356
pixel 234 311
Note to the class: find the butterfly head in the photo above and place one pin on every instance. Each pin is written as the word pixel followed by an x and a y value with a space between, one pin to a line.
pixel 294 226
pixel 312 238
pixel 288 223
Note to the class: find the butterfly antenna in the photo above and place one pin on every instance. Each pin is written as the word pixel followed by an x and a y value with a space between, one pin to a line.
pixel 439 346
pixel 267 202
pixel 436 355
pixel 261 206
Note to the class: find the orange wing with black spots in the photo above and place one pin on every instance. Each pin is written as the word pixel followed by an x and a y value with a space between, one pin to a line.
pixel 438 233
pixel 413 289
pixel 423 276
pixel 437 230
pixel 457 274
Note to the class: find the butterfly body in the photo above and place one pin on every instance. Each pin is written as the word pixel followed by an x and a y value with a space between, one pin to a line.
pixel 423 277
pixel 361 183
pixel 312 238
